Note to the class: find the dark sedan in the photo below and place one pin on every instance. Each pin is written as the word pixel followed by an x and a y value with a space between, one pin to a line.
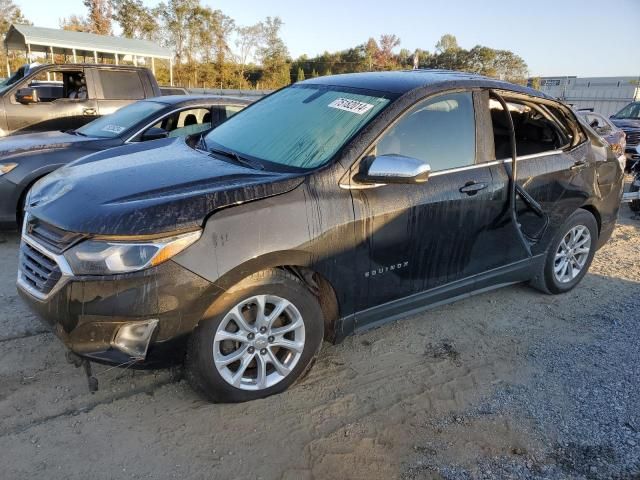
pixel 24 159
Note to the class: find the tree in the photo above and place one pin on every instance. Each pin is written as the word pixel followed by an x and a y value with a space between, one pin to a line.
pixel 135 20
pixel 535 83
pixel 447 43
pixel 314 74
pixel 300 76
pixel 10 13
pixel 371 50
pixel 247 40
pixel 273 55
pixel 385 58
pixel 75 23
pixel 99 17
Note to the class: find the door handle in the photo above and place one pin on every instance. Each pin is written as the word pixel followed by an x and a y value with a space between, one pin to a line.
pixel 579 164
pixel 89 111
pixel 471 188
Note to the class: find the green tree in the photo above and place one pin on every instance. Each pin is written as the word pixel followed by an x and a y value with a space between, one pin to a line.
pixel 447 43
pixel 247 40
pixel 535 83
pixel 273 55
pixel 135 20
pixel 10 13
pixel 300 76
pixel 314 74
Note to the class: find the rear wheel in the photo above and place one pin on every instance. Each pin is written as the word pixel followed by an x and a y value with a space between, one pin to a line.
pixel 262 336
pixel 569 254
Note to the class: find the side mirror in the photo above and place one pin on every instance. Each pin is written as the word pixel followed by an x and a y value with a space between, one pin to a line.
pixel 27 96
pixel 154 133
pixel 394 169
pixel 594 124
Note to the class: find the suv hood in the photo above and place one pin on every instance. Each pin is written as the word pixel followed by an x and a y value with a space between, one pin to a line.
pixel 33 142
pixel 154 187
pixel 625 122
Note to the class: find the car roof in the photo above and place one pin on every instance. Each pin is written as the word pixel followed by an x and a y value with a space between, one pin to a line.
pixel 190 99
pixel 403 81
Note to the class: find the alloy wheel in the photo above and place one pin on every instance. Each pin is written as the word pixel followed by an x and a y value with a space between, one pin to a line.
pixel 259 342
pixel 572 254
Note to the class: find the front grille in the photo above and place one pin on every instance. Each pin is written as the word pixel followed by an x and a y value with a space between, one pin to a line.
pixel 633 138
pixel 38 270
pixel 53 238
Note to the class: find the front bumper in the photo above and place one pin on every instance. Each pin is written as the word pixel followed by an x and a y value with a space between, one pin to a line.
pixel 87 312
pixel 9 193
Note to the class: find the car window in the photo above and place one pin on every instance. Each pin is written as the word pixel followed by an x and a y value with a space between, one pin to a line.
pixel 188 122
pixel 58 84
pixel 631 111
pixel 111 126
pixel 598 123
pixel 121 85
pixel 300 127
pixel 440 131
pixel 536 130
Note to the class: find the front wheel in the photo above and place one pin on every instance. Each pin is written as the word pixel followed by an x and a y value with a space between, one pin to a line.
pixel 260 337
pixel 569 254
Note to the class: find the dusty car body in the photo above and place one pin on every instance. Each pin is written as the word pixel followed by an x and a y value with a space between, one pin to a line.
pixel 315 213
pixel 24 159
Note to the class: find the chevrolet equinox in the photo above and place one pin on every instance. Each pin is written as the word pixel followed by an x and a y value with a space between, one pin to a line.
pixel 328 207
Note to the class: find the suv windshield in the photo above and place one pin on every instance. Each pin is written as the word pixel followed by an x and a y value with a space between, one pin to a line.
pixel 111 126
pixel 302 126
pixel 630 111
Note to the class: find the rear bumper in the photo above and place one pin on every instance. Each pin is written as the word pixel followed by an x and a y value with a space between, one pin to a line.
pixel 86 313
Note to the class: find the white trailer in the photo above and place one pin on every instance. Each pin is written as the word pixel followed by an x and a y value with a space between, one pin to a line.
pixel 605 95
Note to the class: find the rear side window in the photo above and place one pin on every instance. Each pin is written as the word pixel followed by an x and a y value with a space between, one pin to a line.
pixel 439 130
pixel 537 129
pixel 121 85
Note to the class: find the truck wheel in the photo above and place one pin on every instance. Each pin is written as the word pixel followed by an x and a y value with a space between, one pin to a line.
pixel 569 254
pixel 259 338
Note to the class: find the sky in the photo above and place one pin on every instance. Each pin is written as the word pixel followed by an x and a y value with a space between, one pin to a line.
pixel 555 37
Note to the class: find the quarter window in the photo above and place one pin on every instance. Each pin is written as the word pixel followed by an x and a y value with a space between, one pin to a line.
pixel 440 131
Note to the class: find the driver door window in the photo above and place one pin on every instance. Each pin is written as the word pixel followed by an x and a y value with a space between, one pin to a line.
pixel 440 131
pixel 53 85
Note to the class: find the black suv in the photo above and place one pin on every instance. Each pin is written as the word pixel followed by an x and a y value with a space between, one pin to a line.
pixel 328 207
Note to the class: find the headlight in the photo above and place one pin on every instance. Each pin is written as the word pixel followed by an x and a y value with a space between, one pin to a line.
pixel 7 167
pixel 105 257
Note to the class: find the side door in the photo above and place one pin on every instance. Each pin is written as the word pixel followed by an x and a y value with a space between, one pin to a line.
pixel 418 237
pixel 553 167
pixel 55 110
pixel 117 88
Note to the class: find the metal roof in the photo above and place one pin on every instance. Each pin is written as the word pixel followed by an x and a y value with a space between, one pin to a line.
pixel 19 36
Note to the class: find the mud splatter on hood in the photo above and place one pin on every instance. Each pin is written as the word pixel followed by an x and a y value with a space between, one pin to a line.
pixel 34 142
pixel 158 187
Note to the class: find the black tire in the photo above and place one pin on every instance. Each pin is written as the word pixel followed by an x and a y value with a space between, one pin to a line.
pixel 635 204
pixel 201 371
pixel 545 279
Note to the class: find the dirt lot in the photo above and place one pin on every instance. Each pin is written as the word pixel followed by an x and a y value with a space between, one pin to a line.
pixel 509 384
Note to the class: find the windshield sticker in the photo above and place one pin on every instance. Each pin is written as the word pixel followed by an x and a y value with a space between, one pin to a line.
pixel 113 128
pixel 352 106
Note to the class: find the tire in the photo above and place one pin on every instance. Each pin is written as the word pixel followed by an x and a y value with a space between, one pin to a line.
pixel 547 280
pixel 231 331
pixel 635 204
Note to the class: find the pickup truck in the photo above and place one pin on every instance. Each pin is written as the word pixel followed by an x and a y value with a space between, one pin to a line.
pixel 66 96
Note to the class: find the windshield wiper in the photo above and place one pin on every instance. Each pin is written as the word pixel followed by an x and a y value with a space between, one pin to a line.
pixel 74 132
pixel 236 157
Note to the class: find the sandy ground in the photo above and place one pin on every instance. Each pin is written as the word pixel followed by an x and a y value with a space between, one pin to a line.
pixel 511 383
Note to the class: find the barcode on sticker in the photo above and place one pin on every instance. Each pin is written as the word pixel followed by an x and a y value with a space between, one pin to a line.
pixel 352 106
